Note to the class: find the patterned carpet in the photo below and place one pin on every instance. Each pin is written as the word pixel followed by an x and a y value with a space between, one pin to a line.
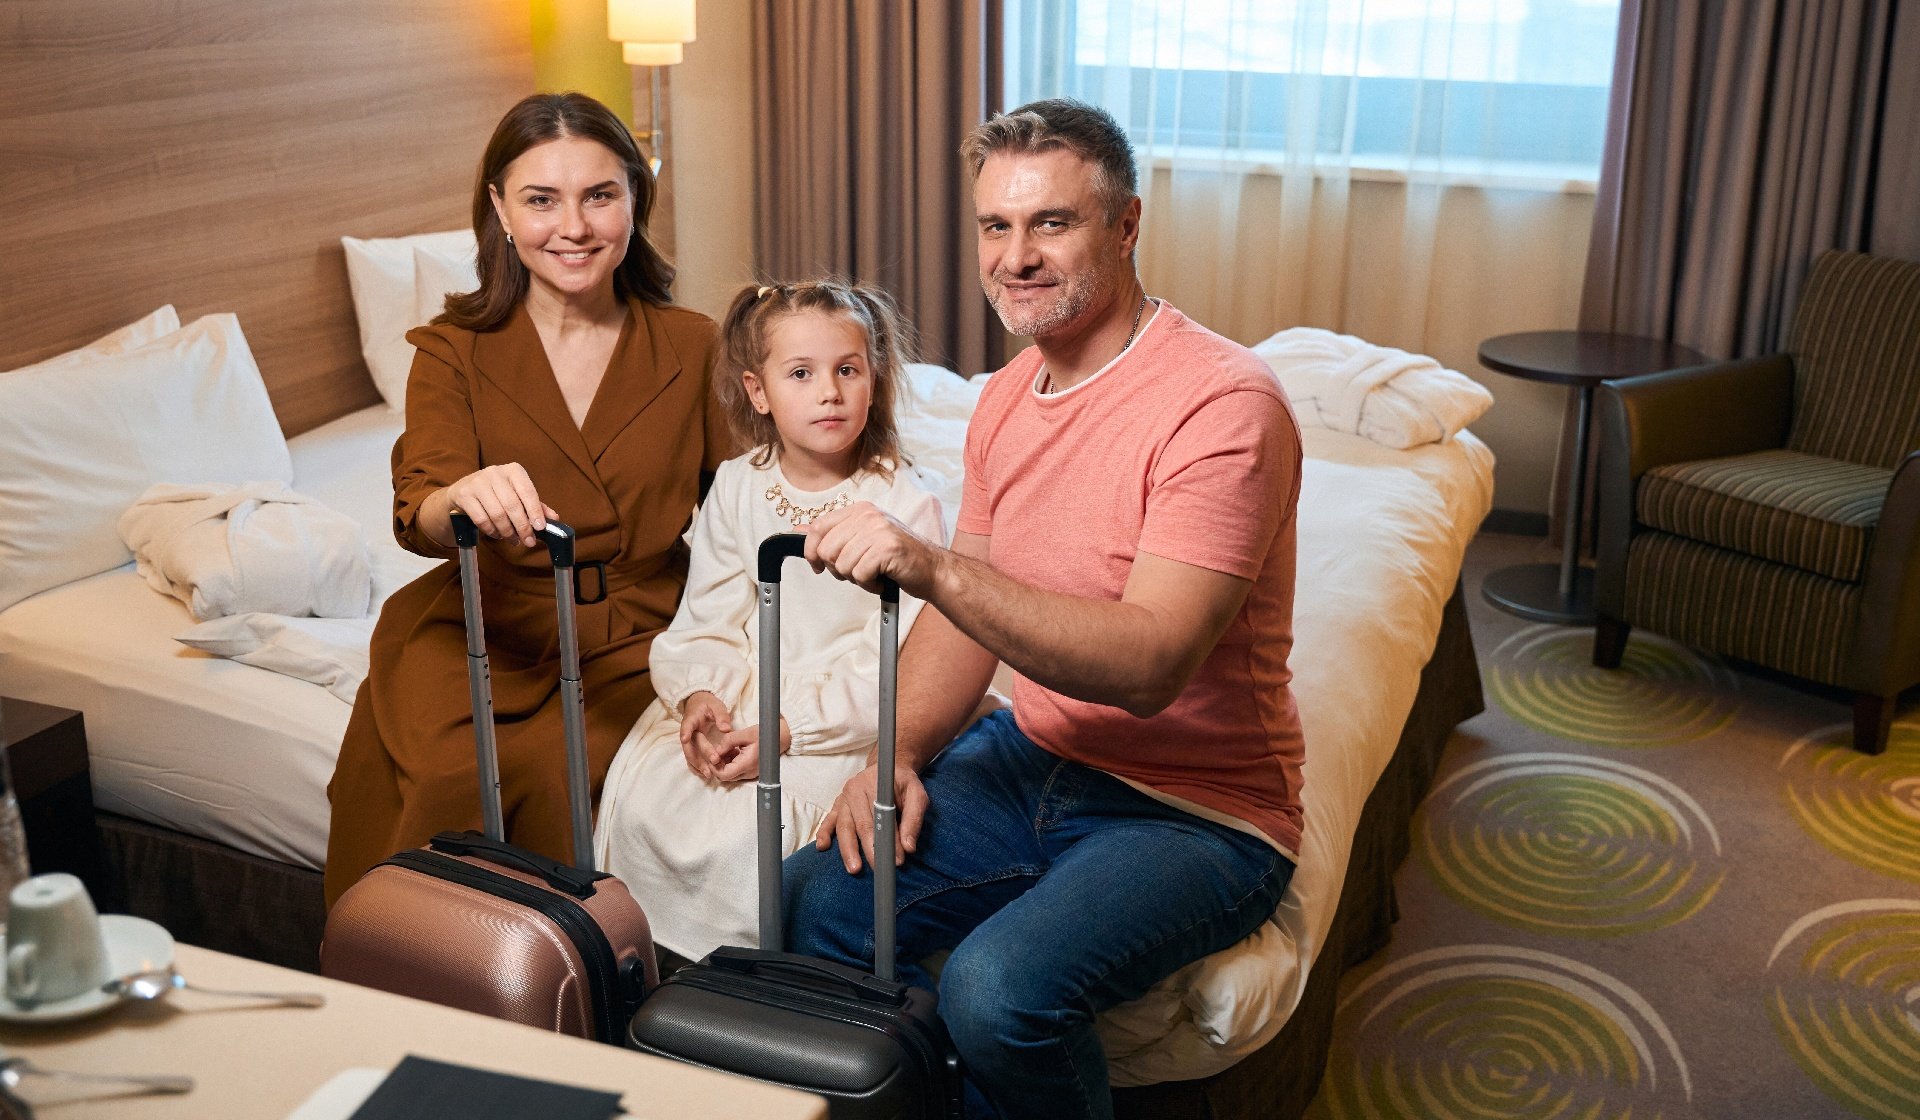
pixel 1664 892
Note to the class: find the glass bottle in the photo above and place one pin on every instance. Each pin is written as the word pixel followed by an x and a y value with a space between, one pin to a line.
pixel 13 834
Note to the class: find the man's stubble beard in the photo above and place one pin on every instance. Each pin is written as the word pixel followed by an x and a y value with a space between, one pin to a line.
pixel 1071 304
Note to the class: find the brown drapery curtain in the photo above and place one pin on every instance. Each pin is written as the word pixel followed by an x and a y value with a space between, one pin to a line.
pixel 1744 137
pixel 860 109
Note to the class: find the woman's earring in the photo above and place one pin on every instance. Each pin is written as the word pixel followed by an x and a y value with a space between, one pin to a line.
pixel 509 238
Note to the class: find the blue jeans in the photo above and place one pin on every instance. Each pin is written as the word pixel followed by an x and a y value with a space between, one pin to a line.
pixel 1061 892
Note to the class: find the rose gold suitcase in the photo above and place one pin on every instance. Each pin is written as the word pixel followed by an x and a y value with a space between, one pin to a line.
pixel 473 922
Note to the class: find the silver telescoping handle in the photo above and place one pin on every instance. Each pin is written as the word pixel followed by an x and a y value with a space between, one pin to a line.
pixel 774 551
pixel 559 539
pixel 479 679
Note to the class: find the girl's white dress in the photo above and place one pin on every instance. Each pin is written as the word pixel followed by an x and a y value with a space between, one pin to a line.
pixel 685 847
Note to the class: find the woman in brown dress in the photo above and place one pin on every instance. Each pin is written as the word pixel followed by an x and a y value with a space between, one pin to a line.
pixel 566 387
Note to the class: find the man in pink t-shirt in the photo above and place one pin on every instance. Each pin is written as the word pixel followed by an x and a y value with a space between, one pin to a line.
pixel 1126 546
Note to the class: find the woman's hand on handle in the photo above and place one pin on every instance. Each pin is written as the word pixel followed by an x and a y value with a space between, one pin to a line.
pixel 501 501
pixel 850 822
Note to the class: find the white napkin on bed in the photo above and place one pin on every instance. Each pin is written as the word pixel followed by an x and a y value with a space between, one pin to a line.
pixel 1389 396
pixel 226 550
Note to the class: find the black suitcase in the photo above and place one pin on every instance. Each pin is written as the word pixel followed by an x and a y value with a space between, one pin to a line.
pixel 872 1046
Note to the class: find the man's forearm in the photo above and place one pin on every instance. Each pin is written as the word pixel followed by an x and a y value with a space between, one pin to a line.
pixel 1118 653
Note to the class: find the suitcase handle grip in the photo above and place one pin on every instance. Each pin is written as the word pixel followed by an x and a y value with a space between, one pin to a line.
pixel 558 535
pixel 559 876
pixel 781 547
pixel 778 549
pixel 862 986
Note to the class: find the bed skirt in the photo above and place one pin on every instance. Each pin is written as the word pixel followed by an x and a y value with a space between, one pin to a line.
pixel 210 895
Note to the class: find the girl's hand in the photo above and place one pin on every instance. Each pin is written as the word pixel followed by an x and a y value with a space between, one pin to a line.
pixel 502 502
pixel 704 722
pixel 743 747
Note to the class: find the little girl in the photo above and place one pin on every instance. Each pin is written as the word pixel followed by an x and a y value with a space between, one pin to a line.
pixel 808 376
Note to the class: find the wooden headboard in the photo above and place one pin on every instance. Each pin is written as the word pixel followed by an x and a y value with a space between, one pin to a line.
pixel 211 154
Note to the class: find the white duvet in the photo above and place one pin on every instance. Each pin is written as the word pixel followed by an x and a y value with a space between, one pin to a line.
pixel 242 756
pixel 1394 398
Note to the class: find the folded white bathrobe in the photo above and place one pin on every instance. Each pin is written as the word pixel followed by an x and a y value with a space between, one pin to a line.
pixel 226 550
pixel 686 847
pixel 1391 397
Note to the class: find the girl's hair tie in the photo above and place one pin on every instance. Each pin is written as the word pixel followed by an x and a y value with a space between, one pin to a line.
pixel 762 293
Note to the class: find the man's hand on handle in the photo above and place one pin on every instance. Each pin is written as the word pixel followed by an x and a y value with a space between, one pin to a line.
pixel 862 543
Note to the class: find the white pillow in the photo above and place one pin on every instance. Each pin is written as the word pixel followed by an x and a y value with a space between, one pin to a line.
pixel 437 275
pixel 80 442
pixel 330 652
pixel 155 324
pixel 380 271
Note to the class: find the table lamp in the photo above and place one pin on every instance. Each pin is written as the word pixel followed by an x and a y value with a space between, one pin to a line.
pixel 652 34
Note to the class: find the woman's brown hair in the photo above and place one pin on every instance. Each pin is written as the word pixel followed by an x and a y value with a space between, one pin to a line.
pixel 743 348
pixel 536 120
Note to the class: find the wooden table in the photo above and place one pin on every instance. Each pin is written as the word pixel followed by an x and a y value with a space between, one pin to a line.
pixel 1581 360
pixel 262 1063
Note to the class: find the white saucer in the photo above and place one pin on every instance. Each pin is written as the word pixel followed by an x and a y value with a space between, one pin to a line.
pixel 133 945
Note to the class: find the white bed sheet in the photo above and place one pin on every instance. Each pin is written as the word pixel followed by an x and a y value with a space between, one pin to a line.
pixel 190 741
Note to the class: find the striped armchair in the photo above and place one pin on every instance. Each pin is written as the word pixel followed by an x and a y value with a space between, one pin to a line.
pixel 1769 509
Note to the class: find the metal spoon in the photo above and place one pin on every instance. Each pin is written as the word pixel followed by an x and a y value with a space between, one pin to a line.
pixel 159 982
pixel 12 1107
pixel 12 1070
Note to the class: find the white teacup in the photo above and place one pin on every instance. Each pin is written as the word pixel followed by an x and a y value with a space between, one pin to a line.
pixel 55 949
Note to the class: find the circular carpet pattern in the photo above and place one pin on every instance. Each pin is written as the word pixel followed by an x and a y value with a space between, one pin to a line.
pixel 1865 808
pixel 1663 693
pixel 1846 1001
pixel 1571 845
pixel 1491 1031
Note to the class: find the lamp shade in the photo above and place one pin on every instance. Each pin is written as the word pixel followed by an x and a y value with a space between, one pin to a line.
pixel 650 21
pixel 651 54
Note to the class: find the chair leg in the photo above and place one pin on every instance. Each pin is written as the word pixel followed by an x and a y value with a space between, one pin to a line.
pixel 1609 642
pixel 1872 721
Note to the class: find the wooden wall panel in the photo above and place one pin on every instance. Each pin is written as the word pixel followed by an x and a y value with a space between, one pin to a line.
pixel 211 154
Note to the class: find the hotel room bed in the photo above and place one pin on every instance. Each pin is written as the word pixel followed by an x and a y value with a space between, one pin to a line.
pixel 210 775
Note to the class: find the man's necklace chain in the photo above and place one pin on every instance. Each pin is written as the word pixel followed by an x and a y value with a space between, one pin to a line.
pixel 1047 385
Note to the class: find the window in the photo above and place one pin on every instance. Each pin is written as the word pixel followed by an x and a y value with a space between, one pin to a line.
pixel 1451 85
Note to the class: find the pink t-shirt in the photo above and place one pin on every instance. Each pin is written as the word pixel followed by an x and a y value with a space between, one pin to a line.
pixel 1184 447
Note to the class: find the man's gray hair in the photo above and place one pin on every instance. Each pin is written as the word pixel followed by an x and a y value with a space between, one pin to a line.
pixel 1087 131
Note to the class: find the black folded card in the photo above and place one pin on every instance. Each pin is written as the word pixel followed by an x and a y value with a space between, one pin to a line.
pixel 423 1089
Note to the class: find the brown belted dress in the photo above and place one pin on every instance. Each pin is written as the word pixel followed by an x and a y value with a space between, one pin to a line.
pixel 626 479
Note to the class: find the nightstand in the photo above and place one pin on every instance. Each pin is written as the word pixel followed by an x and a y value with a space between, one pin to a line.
pixel 46 749
pixel 1563 593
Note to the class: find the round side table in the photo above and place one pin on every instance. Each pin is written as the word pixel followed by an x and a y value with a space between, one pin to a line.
pixel 1581 360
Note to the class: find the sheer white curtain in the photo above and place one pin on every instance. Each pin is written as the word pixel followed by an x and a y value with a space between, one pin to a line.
pixel 1416 172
